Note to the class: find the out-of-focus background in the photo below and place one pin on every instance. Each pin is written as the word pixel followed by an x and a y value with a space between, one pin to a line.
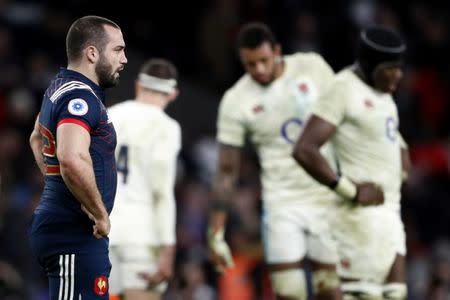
pixel 198 36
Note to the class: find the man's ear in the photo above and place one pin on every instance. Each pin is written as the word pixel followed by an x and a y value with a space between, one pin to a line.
pixel 174 95
pixel 92 54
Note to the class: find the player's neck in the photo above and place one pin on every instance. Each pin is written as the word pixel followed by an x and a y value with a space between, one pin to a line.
pixel 85 70
pixel 153 100
pixel 279 68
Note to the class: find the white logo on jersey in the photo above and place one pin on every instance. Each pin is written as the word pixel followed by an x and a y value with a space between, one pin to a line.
pixel 78 107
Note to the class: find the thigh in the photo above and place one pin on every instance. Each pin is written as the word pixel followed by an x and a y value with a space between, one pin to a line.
pixel 321 246
pixel 137 259
pixel 283 238
pixel 365 244
pixel 78 276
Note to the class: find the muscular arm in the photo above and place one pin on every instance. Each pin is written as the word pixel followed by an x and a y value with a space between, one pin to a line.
pixel 307 150
pixel 36 146
pixel 406 163
pixel 224 184
pixel 76 168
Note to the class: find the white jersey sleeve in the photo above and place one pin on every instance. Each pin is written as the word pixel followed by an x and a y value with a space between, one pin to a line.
pixel 162 166
pixel 331 106
pixel 230 125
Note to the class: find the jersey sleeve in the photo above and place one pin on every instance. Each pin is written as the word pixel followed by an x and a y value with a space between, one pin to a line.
pixel 402 141
pixel 163 169
pixel 331 105
pixel 82 109
pixel 230 125
pixel 324 71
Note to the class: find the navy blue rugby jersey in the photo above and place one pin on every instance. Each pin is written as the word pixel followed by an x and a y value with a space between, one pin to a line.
pixel 73 98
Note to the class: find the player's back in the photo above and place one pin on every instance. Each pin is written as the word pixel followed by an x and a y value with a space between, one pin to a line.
pixel 142 130
pixel 274 116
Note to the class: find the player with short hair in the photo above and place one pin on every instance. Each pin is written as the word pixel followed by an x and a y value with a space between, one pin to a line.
pixel 142 240
pixel 73 142
pixel 359 117
pixel 270 104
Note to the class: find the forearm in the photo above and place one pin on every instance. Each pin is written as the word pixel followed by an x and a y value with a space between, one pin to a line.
pixel 36 148
pixel 78 174
pixel 223 191
pixel 310 158
pixel 165 212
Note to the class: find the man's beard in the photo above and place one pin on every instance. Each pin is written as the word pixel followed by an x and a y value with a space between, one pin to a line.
pixel 105 74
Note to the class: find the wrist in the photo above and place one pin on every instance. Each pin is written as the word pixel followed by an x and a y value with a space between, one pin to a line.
pixel 345 188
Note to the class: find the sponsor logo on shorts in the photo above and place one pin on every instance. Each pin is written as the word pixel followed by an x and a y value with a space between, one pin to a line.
pixel 345 263
pixel 101 285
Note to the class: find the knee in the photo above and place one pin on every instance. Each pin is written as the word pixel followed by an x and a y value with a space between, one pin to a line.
pixel 325 280
pixel 360 290
pixel 289 284
pixel 395 291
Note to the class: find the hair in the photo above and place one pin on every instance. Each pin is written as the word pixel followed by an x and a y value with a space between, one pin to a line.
pixel 161 68
pixel 87 31
pixel 379 45
pixel 252 35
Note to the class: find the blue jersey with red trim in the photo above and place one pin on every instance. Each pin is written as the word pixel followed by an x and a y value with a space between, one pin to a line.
pixel 73 98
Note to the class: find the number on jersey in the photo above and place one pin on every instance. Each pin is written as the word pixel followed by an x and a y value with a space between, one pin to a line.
pixel 122 162
pixel 49 142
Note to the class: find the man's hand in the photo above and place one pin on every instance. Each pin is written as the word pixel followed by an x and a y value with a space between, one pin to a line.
pixel 101 226
pixel 165 268
pixel 369 193
pixel 221 254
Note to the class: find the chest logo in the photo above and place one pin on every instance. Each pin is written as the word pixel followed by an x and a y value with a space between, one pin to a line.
pixel 78 107
pixel 303 88
pixel 258 109
pixel 368 103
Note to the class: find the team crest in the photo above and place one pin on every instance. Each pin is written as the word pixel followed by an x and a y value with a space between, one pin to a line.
pixel 101 285
pixel 78 107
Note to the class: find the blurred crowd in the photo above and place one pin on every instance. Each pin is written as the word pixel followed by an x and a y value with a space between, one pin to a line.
pixel 199 37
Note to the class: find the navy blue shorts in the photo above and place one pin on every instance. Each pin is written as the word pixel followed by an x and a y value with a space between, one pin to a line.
pixel 76 263
pixel 78 276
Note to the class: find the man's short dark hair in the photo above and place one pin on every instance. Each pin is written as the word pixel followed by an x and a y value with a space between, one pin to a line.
pixel 86 31
pixel 253 35
pixel 161 68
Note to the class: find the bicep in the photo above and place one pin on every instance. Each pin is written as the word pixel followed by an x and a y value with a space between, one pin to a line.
pixel 406 160
pixel 316 132
pixel 72 139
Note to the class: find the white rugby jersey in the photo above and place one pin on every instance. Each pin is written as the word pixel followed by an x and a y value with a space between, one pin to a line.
pixel 272 116
pixel 148 142
pixel 366 142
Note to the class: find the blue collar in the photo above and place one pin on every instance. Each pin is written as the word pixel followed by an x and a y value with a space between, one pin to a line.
pixel 99 91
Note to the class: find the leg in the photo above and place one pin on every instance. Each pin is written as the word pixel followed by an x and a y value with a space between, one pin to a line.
pixel 288 281
pixel 115 278
pixel 138 294
pixel 360 290
pixel 75 276
pixel 135 260
pixel 326 283
pixel 395 285
pixel 285 248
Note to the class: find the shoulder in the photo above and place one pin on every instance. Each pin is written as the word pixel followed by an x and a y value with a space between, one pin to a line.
pixel 172 126
pixel 118 109
pixel 69 90
pixel 306 58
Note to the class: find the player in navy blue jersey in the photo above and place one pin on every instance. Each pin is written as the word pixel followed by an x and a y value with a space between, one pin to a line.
pixel 73 142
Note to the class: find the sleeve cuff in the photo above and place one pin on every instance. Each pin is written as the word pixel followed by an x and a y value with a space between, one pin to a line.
pixel 75 121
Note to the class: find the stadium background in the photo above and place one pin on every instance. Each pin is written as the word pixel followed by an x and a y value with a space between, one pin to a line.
pixel 199 37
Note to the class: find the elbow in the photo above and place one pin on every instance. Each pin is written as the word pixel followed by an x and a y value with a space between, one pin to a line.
pixel 68 161
pixel 34 138
pixel 300 153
